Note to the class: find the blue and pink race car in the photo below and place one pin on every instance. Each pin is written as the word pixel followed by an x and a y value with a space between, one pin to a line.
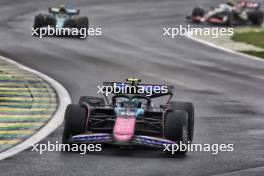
pixel 130 119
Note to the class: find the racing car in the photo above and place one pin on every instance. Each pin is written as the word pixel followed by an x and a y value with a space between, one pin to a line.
pixel 61 17
pixel 231 13
pixel 130 119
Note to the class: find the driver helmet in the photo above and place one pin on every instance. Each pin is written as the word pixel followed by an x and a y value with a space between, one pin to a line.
pixel 62 9
pixel 231 2
pixel 136 103
pixel 131 103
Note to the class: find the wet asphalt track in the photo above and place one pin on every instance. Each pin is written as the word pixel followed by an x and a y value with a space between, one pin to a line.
pixel 227 90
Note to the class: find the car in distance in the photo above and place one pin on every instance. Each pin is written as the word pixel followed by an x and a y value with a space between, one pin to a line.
pixel 232 13
pixel 129 119
pixel 60 18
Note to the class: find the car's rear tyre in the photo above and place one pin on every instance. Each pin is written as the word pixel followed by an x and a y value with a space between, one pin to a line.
pixel 75 121
pixel 93 101
pixel 189 108
pixel 176 129
pixel 197 12
pixel 230 19
pixel 256 17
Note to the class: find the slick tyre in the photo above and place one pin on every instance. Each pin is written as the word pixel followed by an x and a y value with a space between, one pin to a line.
pixel 82 23
pixel 176 129
pixel 39 22
pixel 92 101
pixel 256 17
pixel 197 12
pixel 230 19
pixel 189 108
pixel 75 121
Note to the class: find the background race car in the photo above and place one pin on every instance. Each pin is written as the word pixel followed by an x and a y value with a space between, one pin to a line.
pixel 241 13
pixel 130 119
pixel 61 17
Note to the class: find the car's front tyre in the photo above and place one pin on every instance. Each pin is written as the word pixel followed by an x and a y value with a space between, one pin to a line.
pixel 82 23
pixel 176 129
pixel 39 22
pixel 189 108
pixel 75 121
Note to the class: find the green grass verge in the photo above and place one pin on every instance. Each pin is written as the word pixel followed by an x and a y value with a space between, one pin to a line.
pixel 254 53
pixel 255 38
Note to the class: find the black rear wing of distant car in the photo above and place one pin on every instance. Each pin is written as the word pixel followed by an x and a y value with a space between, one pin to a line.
pixel 150 90
pixel 55 10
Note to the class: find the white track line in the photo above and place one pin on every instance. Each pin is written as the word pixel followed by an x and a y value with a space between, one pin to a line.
pixel 243 172
pixel 54 122
pixel 223 49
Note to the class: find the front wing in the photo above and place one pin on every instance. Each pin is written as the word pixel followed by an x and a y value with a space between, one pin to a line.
pixel 108 138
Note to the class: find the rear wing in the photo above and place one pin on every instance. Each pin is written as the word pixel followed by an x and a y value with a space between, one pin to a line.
pixel 249 5
pixel 150 90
